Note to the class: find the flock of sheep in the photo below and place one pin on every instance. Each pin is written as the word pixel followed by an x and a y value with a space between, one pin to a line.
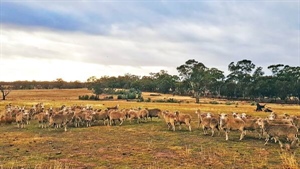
pixel 278 127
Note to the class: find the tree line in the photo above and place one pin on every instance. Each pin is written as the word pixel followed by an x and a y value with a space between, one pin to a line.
pixel 244 81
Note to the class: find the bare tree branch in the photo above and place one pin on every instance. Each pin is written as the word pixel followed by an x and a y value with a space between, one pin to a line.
pixel 5 90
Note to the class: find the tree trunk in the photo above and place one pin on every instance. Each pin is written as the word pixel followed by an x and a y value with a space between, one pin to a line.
pixel 197 96
pixel 3 95
pixel 4 92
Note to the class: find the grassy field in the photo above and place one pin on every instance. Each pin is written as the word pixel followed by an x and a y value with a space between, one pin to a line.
pixel 146 145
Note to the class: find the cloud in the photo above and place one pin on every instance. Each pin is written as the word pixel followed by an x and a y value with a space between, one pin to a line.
pixel 138 37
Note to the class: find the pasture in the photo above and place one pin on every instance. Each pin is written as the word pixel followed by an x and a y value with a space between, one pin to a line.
pixel 146 145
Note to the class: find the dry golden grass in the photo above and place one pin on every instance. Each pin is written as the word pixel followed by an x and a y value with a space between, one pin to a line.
pixel 147 145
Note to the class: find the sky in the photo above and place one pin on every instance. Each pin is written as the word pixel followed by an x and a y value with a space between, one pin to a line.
pixel 76 39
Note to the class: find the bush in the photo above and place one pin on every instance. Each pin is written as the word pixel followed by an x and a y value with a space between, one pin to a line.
pixel 154 94
pixel 120 96
pixel 170 100
pixel 228 103
pixel 131 96
pixel 84 97
pixel 92 97
pixel 213 102
pixel 109 97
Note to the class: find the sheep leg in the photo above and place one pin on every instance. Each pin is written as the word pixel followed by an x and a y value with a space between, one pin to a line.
pixel 121 122
pixel 204 130
pixel 267 139
pixel 173 126
pixel 190 127
pixel 280 143
pixel 169 126
pixel 226 135
pixel 242 135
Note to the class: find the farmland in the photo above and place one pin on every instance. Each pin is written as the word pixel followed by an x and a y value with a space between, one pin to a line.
pixel 146 145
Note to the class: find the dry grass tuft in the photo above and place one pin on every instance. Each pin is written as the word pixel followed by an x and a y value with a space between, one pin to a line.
pixel 289 161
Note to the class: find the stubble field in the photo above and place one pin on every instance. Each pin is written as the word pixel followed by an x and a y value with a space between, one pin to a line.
pixel 146 145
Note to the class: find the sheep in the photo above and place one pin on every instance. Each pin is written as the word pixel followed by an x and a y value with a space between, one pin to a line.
pixel 245 116
pixel 143 114
pixel 251 125
pixel 88 117
pixel 169 119
pixel 277 131
pixel 209 122
pixel 7 118
pixel 59 119
pixel 101 115
pixel 200 116
pixel 230 123
pixel 296 121
pixel 116 115
pixel 83 116
pixel 280 121
pixel 133 114
pixel 42 118
pixel 183 119
pixel 153 112
pixel 20 119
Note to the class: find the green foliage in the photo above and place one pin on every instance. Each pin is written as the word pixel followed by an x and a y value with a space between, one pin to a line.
pixel 214 102
pixel 169 100
pixel 129 94
pixel 87 97
pixel 228 103
pixel 199 79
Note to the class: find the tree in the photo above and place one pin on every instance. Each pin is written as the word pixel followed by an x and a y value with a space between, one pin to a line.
pixel 216 80
pixel 195 74
pixel 5 90
pixel 240 75
pixel 164 82
pixel 59 82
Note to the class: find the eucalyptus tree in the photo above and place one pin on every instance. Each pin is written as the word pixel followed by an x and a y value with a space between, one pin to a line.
pixel 165 83
pixel 257 81
pixel 241 76
pixel 288 78
pixel 195 75
pixel 216 80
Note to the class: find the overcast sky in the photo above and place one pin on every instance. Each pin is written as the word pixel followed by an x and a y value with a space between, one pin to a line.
pixel 74 40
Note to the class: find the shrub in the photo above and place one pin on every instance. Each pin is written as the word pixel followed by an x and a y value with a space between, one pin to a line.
pixel 92 97
pixel 131 96
pixel 109 97
pixel 228 103
pixel 120 96
pixel 213 102
pixel 154 94
pixel 84 97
